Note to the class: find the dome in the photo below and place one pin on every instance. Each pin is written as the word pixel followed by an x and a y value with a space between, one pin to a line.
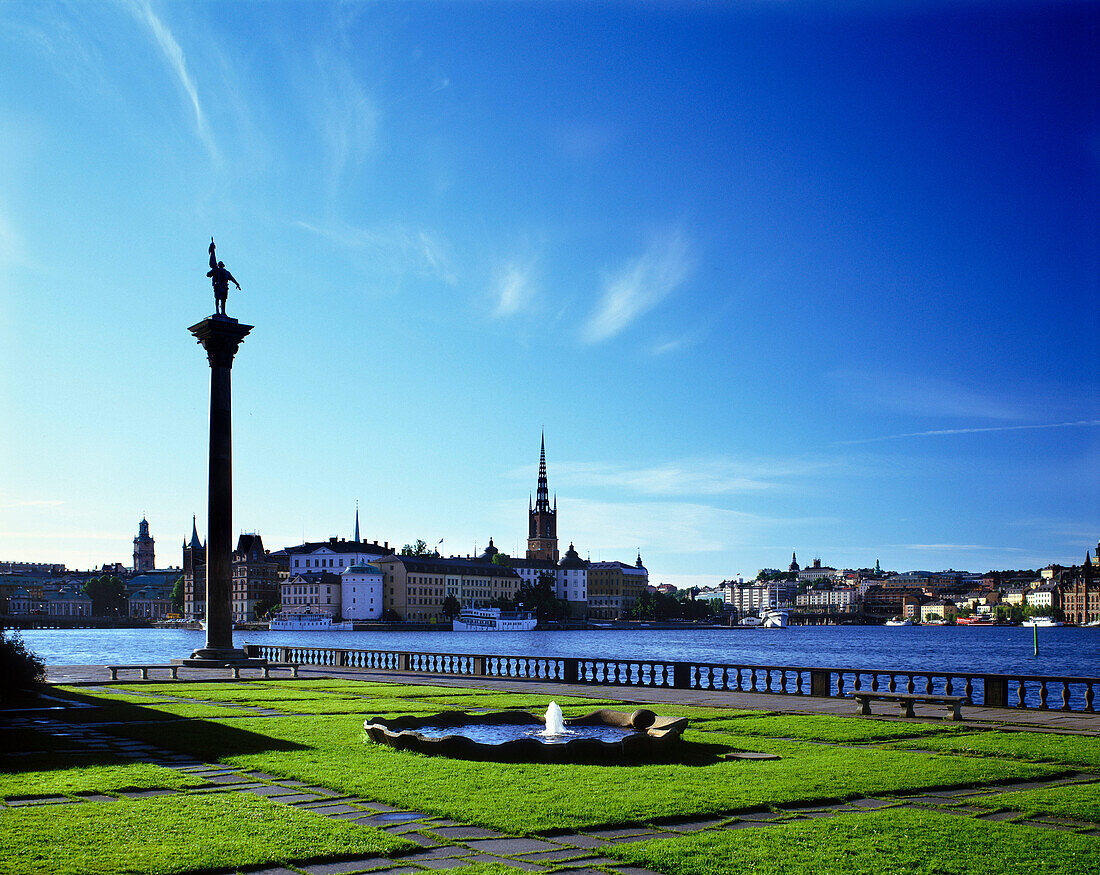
pixel 572 559
pixel 490 552
pixel 361 568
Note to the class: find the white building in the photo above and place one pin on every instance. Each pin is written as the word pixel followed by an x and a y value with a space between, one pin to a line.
pixel 313 592
pixel 361 592
pixel 1041 598
pixel 570 576
pixel 842 598
pixel 750 598
pixel 333 555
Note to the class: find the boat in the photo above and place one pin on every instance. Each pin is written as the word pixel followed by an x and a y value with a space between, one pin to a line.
pixel 776 618
pixel 493 620
pixel 750 621
pixel 900 621
pixel 307 621
pixel 1041 622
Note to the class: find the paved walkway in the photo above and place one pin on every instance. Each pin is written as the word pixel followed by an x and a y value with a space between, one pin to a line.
pixel 1049 721
pixel 445 843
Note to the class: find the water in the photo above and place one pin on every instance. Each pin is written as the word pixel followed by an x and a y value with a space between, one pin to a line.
pixel 495 733
pixel 1001 649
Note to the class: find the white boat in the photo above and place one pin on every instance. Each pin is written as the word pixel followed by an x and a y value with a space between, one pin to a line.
pixel 1042 621
pixel 899 621
pixel 774 619
pixel 493 620
pixel 750 621
pixel 306 621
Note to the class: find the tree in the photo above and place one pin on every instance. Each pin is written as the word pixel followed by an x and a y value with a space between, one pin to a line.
pixel 502 559
pixel 451 607
pixel 420 548
pixel 20 669
pixel 108 596
pixel 177 594
pixel 265 607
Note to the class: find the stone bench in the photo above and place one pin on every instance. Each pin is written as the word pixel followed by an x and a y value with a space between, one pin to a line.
pixel 145 669
pixel 267 668
pixel 906 700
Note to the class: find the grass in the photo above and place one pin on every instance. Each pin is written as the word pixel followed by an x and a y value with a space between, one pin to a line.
pixel 332 753
pixel 888 842
pixel 824 728
pixel 1075 802
pixel 175 834
pixel 1043 747
pixel 85 775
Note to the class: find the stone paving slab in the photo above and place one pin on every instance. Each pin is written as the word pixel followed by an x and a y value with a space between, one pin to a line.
pixel 634 870
pixel 557 855
pixel 644 837
pixel 582 841
pixel 744 824
pixel 489 858
pixel 467 832
pixel 145 794
pixel 392 818
pixel 617 833
pixel 18 802
pixel 418 839
pixel 361 864
pixel 872 803
pixel 329 810
pixel 440 852
pixel 95 797
pixel 586 862
pixel 1047 825
pixel 296 798
pixel 509 846
pixel 694 825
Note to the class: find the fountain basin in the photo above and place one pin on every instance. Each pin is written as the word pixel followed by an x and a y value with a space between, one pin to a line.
pixel 602 736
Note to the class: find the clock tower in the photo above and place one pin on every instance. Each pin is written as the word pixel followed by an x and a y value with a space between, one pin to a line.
pixel 542 530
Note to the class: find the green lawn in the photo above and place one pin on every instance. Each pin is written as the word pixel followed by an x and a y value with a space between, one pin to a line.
pixel 85 775
pixel 1078 750
pixel 174 834
pixel 825 728
pixel 1076 802
pixel 888 842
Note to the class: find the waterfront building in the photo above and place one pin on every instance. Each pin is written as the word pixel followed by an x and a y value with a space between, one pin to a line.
pixel 143 548
pixel 415 587
pixel 255 580
pixel 614 588
pixel 1043 598
pixel 1079 590
pixel 361 592
pixel 150 604
pixel 759 595
pixel 333 555
pixel 68 603
pixel 312 592
pixel 828 598
pixel 194 576
pixel 941 610
pixel 32 568
pixel 542 519
pixel 569 577
pixel 20 601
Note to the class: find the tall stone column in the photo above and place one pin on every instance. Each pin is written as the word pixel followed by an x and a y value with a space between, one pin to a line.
pixel 220 336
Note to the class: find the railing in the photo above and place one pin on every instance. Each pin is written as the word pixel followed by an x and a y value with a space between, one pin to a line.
pixel 992 690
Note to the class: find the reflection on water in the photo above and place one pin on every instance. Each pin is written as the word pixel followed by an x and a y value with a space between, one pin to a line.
pixel 1062 651
pixel 491 733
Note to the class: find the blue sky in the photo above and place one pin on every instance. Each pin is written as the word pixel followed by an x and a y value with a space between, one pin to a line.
pixel 803 276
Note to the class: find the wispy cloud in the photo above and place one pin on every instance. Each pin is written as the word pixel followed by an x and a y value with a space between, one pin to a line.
pixel 950 548
pixel 513 289
pixel 32 502
pixel 686 477
pixel 176 61
pixel 1081 423
pixel 923 395
pixel 348 120
pixel 393 249
pixel 639 286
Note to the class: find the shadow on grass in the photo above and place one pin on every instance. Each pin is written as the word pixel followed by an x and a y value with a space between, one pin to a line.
pixel 207 741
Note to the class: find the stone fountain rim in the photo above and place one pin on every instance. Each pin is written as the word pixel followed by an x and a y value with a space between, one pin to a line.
pixel 642 744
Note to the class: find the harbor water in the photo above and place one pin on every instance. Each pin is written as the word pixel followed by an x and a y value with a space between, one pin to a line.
pixel 1063 651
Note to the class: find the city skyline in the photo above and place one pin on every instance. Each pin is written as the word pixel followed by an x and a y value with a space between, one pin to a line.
pixel 771 279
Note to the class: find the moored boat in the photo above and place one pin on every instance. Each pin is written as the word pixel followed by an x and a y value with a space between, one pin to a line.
pixel 307 621
pixel 493 620
pixel 899 621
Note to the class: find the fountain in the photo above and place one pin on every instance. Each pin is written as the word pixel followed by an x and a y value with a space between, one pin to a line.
pixel 602 736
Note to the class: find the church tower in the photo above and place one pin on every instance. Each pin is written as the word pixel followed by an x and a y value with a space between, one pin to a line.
pixel 542 532
pixel 143 548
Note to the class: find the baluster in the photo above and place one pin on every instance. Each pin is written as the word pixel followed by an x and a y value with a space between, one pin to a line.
pixel 874 682
pixel 893 688
pixel 783 681
pixel 840 683
pixel 753 688
pixel 739 686
pixel 910 687
pixel 928 685
pixel 1021 694
pixel 1043 694
pixel 1088 696
pixel 857 684
pixel 768 679
pixel 1065 696
pixel 949 687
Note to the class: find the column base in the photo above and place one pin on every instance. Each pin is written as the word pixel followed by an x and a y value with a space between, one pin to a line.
pixel 218 657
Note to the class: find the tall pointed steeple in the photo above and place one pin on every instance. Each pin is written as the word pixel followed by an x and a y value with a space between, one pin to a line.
pixel 357 522
pixel 542 534
pixel 195 542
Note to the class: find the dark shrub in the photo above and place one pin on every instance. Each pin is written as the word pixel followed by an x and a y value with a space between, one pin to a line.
pixel 20 669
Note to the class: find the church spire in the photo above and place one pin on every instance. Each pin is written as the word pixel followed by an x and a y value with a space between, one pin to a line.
pixel 542 502
pixel 356 522
pixel 195 542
